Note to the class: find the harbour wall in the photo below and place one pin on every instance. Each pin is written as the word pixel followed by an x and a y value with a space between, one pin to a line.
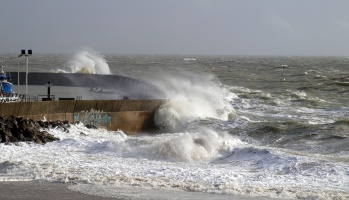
pixel 130 116
pixel 132 87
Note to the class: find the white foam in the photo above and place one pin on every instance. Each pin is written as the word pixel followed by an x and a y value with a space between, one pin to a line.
pixel 257 106
pixel 86 61
pixel 197 97
pixel 203 145
pixel 204 161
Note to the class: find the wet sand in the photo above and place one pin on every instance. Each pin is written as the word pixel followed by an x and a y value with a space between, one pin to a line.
pixel 31 190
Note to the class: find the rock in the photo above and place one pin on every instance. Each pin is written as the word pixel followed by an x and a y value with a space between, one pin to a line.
pixel 5 138
pixel 8 133
pixel 2 126
pixel 37 139
pixel 44 134
pixel 17 129
pixel 13 139
pixel 28 133
pixel 83 134
pixel 21 137
pixel 89 126
pixel 41 123
pixel 53 124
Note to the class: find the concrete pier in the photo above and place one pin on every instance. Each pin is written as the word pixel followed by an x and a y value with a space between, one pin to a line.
pixel 131 87
pixel 130 116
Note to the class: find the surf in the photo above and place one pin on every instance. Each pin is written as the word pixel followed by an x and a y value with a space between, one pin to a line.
pixel 87 61
pixel 191 98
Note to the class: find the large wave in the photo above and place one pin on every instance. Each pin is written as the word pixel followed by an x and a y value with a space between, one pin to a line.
pixel 203 145
pixel 87 61
pixel 192 98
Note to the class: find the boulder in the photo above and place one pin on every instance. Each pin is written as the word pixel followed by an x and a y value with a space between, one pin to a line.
pixel 89 126
pixel 18 129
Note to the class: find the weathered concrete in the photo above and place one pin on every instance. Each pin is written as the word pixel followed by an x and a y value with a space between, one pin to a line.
pixel 69 115
pixel 130 116
pixel 134 121
pixel 10 109
pixel 23 109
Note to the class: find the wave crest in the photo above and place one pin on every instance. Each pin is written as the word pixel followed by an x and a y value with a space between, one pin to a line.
pixel 88 62
pixel 192 99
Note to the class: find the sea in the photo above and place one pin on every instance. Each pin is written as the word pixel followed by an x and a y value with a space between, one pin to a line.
pixel 234 127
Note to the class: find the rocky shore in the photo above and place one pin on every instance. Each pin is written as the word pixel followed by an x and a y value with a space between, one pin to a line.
pixel 19 129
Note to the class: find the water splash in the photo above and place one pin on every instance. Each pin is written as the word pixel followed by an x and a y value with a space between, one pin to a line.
pixel 200 146
pixel 192 98
pixel 88 62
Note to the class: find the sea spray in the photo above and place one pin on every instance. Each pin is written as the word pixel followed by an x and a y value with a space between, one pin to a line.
pixel 192 98
pixel 88 62
pixel 308 162
pixel 200 146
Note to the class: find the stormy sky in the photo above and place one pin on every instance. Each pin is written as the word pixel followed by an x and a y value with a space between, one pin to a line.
pixel 207 27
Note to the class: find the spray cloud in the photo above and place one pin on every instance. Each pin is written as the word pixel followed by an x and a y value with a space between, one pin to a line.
pixel 192 98
pixel 88 61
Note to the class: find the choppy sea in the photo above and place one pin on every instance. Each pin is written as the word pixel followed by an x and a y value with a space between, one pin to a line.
pixel 235 126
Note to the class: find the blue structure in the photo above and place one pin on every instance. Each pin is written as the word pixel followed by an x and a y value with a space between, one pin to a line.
pixel 6 87
pixel 6 93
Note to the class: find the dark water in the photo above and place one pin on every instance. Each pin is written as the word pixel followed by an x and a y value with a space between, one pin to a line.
pixel 259 126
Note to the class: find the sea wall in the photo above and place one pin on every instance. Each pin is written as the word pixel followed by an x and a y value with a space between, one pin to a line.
pixel 130 116
pixel 134 88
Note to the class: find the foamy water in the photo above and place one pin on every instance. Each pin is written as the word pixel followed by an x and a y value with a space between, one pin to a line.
pixel 199 97
pixel 203 161
pixel 245 127
pixel 86 61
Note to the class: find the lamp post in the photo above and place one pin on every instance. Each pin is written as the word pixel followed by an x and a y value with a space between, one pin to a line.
pixel 26 74
pixel 18 90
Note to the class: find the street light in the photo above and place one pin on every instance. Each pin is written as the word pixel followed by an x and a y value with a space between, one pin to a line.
pixel 26 74
pixel 18 90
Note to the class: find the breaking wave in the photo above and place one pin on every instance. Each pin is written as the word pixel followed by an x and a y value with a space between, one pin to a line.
pixel 192 99
pixel 87 62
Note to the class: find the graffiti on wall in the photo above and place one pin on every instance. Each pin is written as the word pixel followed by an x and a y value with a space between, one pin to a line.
pixel 92 117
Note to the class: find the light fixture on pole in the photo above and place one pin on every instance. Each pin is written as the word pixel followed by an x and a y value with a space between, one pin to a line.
pixel 18 90
pixel 26 74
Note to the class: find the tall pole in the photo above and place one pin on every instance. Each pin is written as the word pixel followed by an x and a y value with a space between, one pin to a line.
pixel 26 81
pixel 30 52
pixel 18 90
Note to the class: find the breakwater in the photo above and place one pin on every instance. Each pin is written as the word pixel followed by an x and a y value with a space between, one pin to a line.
pixel 130 116
pixel 131 87
pixel 16 129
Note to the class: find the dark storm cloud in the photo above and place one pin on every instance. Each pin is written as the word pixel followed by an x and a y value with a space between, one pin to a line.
pixel 252 27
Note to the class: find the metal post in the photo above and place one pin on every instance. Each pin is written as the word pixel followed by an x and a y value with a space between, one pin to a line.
pixel 49 89
pixel 18 90
pixel 26 81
